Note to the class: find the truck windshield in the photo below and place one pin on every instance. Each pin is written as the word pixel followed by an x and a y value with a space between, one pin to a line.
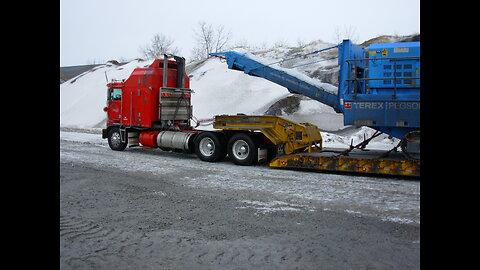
pixel 114 94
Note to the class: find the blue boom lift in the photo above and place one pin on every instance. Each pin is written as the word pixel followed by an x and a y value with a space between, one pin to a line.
pixel 379 87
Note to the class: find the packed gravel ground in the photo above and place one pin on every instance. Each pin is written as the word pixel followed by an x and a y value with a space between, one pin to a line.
pixel 150 209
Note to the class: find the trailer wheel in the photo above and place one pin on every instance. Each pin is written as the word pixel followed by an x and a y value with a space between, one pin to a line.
pixel 115 140
pixel 242 149
pixel 209 146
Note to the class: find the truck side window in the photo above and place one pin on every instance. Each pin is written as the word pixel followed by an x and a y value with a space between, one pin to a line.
pixel 114 94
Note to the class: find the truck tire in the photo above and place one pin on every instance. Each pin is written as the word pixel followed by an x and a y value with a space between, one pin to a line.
pixel 242 149
pixel 114 139
pixel 210 146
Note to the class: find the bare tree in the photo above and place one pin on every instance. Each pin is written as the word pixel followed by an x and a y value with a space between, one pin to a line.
pixel 282 42
pixel 221 38
pixel 209 39
pixel 242 43
pixel 204 37
pixel 159 46
pixel 301 42
pixel 349 32
pixel 337 35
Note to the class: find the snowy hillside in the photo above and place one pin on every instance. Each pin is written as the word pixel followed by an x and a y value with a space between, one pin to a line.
pixel 219 90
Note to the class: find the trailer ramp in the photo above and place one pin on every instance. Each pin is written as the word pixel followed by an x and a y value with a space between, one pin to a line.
pixel 289 136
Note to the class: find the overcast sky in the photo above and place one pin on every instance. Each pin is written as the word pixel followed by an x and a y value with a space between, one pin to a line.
pixel 101 30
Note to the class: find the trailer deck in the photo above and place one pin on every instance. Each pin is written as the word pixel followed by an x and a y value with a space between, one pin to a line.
pixel 357 161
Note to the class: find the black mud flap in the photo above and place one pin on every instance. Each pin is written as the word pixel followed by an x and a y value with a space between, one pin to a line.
pixel 104 133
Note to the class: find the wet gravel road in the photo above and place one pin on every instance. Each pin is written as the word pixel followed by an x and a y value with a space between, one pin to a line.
pixel 149 209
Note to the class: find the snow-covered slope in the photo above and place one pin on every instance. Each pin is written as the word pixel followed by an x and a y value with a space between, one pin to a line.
pixel 219 90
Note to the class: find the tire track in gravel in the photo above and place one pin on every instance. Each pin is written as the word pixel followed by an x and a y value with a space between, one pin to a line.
pixel 78 234
pixel 120 249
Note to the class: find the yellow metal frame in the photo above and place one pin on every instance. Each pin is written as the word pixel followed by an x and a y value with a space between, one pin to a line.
pixel 348 164
pixel 293 137
pixel 294 141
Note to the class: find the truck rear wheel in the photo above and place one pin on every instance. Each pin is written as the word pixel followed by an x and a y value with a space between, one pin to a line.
pixel 209 146
pixel 115 139
pixel 242 149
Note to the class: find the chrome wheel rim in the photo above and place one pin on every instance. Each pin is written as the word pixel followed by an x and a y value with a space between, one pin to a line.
pixel 115 139
pixel 206 146
pixel 240 149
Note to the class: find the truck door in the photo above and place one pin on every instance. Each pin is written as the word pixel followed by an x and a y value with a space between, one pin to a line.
pixel 114 105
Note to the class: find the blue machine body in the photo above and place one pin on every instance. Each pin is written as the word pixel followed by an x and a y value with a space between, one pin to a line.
pixel 379 87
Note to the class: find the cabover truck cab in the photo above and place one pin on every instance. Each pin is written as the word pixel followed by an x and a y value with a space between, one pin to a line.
pixel 157 96
pixel 152 108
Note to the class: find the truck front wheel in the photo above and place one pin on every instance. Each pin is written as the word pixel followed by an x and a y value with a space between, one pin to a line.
pixel 242 149
pixel 209 146
pixel 115 140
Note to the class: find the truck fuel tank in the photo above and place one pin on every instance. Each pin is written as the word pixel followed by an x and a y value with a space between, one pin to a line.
pixel 174 140
pixel 167 139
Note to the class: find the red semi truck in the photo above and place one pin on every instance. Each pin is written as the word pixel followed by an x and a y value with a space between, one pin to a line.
pixel 152 108
pixel 151 98
pixel 153 103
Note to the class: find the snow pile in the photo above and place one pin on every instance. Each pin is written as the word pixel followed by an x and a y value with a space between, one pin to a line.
pixel 355 135
pixel 219 90
pixel 297 74
pixel 320 66
pixel 317 113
